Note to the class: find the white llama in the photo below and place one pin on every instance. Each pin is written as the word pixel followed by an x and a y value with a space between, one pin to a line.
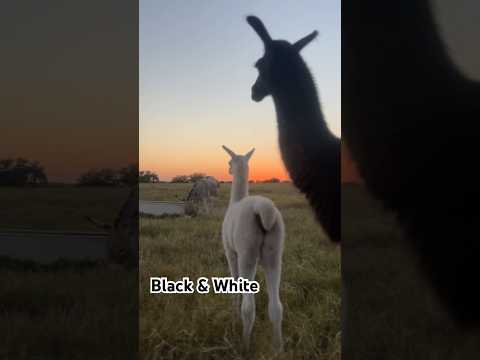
pixel 252 231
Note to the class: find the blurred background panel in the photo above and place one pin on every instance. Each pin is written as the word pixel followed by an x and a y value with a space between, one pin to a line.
pixel 68 150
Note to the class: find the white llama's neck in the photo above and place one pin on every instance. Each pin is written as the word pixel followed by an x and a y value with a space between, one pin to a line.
pixel 239 188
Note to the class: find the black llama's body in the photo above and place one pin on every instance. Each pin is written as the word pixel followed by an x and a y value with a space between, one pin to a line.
pixel 409 118
pixel 304 140
pixel 311 153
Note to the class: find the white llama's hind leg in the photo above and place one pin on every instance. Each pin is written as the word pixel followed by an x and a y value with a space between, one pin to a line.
pixel 247 269
pixel 233 265
pixel 271 260
pixel 275 308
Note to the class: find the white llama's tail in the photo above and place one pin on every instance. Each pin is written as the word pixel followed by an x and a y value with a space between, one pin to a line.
pixel 267 213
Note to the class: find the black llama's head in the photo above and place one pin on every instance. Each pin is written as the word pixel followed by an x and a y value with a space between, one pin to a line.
pixel 280 59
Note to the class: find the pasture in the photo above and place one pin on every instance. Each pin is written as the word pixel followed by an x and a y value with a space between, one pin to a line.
pixel 64 310
pixel 61 208
pixel 203 326
pixel 67 311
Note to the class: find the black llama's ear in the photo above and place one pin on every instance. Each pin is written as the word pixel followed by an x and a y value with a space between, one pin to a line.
pixel 259 28
pixel 300 44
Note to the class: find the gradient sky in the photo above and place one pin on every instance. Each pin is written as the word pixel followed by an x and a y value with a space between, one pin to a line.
pixel 69 85
pixel 196 70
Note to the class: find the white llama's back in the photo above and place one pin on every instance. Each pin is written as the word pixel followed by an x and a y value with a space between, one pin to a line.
pixel 248 221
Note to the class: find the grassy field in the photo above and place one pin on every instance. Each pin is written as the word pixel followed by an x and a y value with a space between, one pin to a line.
pixel 65 310
pixel 203 326
pixel 391 311
pixel 164 191
pixel 83 311
pixel 58 208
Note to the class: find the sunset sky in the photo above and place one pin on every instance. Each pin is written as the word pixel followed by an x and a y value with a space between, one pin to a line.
pixel 196 71
pixel 69 85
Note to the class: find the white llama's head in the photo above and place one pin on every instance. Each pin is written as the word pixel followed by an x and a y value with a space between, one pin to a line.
pixel 280 57
pixel 238 164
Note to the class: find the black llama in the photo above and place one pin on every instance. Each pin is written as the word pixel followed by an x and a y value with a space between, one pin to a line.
pixel 408 116
pixel 309 150
pixel 401 96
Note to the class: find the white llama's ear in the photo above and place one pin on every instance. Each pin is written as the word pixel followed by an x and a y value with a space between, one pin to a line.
pixel 249 154
pixel 259 28
pixel 300 44
pixel 230 152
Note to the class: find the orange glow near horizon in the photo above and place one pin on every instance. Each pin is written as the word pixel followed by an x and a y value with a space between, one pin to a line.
pixel 195 94
pixel 265 163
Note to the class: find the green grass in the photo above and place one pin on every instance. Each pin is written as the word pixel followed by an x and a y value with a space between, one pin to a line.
pixel 58 208
pixel 391 310
pixel 164 191
pixel 203 326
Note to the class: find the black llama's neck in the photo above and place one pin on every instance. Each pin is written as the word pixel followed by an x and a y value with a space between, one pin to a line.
pixel 298 109
pixel 311 153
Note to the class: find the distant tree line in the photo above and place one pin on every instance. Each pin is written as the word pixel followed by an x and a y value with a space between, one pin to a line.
pixel 21 172
pixel 148 177
pixel 197 176
pixel 273 180
pixel 125 176
pixel 188 178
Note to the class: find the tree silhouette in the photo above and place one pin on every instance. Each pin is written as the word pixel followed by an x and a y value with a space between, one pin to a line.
pixel 272 180
pixel 126 176
pixel 148 177
pixel 196 176
pixel 129 175
pixel 21 172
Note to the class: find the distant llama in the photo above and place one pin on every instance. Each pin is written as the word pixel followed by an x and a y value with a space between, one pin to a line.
pixel 199 199
pixel 253 231
pixel 310 151
pixel 214 185
pixel 123 232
